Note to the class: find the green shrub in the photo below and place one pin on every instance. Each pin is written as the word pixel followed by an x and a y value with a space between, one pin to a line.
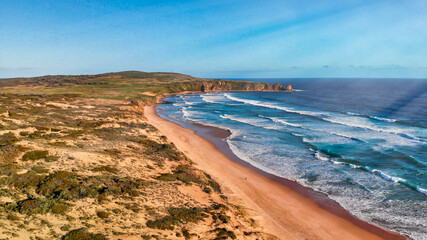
pixel 116 211
pixel 82 234
pixel 40 206
pixel 39 169
pixel 103 214
pixel 218 206
pixel 66 228
pixel 186 233
pixel 150 167
pixel 187 214
pixel 42 128
pixel 29 206
pixel 102 198
pixel 8 169
pixel 8 153
pixel 13 218
pixel 133 207
pixel 183 173
pixel 59 144
pixel 26 180
pixel 154 148
pixel 74 134
pixel 224 218
pixel 57 183
pixel 215 185
pixel 112 152
pixel 68 186
pixel 109 133
pixel 35 155
pixel 36 135
pixel 188 174
pixel 177 216
pixel 8 139
pixel 51 158
pixel 59 208
pixel 126 186
pixel 90 124
pixel 224 234
pixel 107 168
pixel 24 133
pixel 207 190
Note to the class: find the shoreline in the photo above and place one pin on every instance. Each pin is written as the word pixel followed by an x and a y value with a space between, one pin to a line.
pixel 285 208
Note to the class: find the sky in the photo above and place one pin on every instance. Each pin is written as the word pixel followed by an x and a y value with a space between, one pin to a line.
pixel 216 39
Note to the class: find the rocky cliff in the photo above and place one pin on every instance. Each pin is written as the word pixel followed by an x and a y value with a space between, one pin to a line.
pixel 218 86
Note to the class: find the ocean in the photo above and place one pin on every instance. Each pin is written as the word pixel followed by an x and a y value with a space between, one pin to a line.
pixel 363 142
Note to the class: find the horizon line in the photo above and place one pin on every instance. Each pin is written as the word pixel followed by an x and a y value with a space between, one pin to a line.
pixel 221 78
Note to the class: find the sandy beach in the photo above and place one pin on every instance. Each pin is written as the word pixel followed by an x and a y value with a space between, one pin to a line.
pixel 282 211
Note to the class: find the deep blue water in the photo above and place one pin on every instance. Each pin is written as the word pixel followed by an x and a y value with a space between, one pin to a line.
pixel 361 141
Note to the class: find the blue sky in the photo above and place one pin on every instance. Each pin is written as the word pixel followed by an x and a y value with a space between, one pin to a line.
pixel 224 38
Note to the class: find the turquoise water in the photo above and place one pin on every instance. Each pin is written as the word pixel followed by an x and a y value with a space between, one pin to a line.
pixel 362 142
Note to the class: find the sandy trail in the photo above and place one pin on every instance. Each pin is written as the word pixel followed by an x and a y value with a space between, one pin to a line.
pixel 280 210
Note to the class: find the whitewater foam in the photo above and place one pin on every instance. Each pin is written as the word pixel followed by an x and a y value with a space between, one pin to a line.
pixel 249 121
pixel 245 157
pixel 281 121
pixel 186 113
pixel 184 99
pixel 391 178
pixel 353 114
pixel 358 122
pixel 422 190
pixel 321 156
pixel 269 105
pixel 355 121
pixel 388 177
pixel 383 119
pixel 211 98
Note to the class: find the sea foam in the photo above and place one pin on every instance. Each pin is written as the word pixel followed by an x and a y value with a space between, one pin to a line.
pixel 273 106
pixel 211 98
pixel 350 121
pixel 383 119
pixel 249 121
pixel 281 121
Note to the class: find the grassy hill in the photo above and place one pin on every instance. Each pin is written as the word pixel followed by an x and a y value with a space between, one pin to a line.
pixel 143 86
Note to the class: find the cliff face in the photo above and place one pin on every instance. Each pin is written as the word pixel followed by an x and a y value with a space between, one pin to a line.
pixel 215 87
pixel 219 86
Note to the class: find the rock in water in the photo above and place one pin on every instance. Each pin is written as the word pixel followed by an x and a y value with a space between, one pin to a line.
pixel 289 88
pixel 277 87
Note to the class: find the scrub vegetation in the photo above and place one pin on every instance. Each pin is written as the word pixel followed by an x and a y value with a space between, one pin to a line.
pixel 79 161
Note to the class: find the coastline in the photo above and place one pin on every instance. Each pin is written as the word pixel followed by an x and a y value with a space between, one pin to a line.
pixel 284 207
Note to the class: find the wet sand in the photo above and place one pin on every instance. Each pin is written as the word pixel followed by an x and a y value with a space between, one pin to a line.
pixel 283 207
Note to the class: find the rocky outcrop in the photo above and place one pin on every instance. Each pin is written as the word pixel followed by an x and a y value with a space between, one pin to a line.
pixel 277 87
pixel 215 87
pixel 219 86
pixel 258 87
